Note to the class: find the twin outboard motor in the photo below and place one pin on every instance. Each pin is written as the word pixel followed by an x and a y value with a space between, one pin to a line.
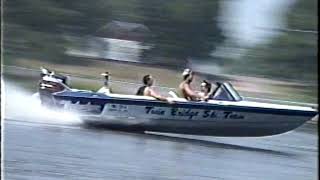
pixel 46 72
pixel 50 83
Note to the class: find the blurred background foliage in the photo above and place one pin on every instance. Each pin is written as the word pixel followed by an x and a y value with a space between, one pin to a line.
pixel 181 29
pixel 293 54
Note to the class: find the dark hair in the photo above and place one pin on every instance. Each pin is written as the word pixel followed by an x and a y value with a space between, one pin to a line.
pixel 186 76
pixel 146 78
pixel 207 85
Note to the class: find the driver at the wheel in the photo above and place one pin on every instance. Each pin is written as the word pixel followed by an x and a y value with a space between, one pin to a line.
pixel 185 87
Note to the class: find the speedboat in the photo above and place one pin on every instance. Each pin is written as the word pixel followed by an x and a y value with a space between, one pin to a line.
pixel 226 114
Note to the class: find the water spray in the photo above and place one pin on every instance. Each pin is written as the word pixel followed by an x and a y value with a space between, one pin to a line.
pixel 23 106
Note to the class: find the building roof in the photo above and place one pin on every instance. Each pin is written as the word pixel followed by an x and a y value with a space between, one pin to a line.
pixel 124 30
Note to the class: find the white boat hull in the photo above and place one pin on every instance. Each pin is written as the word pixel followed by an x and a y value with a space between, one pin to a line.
pixel 173 119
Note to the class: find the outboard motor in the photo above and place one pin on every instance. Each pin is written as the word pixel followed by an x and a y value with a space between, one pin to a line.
pixel 50 83
pixel 46 72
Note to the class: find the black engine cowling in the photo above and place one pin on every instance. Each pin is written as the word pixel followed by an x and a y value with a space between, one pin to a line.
pixel 50 83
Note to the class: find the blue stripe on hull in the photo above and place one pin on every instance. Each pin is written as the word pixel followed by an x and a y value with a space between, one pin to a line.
pixel 101 99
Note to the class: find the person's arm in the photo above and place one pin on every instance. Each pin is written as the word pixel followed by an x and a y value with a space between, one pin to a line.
pixel 152 93
pixel 209 94
pixel 191 93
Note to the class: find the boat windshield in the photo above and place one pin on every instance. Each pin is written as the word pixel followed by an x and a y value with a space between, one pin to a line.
pixel 226 92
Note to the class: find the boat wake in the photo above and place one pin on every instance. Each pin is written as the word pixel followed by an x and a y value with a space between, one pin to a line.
pixel 21 105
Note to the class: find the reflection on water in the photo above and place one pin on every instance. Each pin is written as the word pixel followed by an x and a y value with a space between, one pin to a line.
pixel 57 152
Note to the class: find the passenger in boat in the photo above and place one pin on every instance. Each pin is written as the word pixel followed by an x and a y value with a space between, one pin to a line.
pixel 147 90
pixel 185 89
pixel 106 88
pixel 206 90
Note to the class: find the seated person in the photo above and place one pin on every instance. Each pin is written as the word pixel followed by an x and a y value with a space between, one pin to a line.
pixel 206 90
pixel 147 90
pixel 185 89
pixel 105 89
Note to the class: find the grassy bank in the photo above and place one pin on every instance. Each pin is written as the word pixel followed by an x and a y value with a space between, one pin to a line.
pixel 127 77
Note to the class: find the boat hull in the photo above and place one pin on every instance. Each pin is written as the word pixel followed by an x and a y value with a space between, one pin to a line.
pixel 183 117
pixel 207 128
pixel 252 124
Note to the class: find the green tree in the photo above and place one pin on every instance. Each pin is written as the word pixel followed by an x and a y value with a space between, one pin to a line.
pixel 293 54
pixel 181 29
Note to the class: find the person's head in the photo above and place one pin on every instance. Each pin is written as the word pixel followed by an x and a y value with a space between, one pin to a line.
pixel 187 75
pixel 205 86
pixel 106 78
pixel 105 75
pixel 147 80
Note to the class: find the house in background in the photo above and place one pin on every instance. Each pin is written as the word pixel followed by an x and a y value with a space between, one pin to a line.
pixel 117 40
